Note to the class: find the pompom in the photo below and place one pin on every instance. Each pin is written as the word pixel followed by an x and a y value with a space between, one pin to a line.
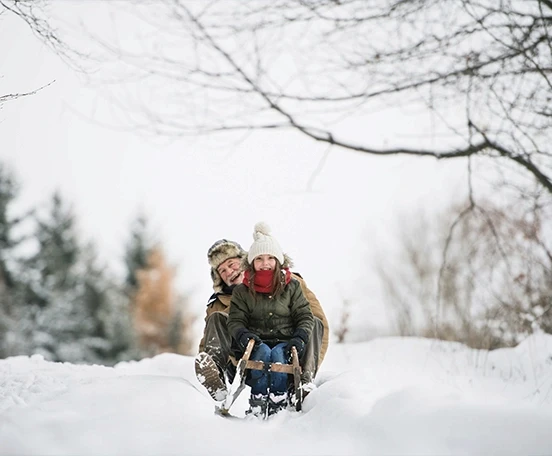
pixel 261 228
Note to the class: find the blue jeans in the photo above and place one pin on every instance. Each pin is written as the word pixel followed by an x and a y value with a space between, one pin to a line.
pixel 259 380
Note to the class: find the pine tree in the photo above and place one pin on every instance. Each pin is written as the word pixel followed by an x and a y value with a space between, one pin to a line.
pixel 51 284
pixel 13 316
pixel 111 336
pixel 8 192
pixel 80 315
pixel 137 250
pixel 58 249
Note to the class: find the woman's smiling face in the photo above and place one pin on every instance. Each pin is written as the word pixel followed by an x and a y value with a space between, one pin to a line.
pixel 264 263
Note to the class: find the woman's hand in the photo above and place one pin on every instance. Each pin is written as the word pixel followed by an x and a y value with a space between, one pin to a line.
pixel 243 336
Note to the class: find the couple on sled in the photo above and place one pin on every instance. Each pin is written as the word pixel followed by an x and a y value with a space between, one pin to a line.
pixel 258 297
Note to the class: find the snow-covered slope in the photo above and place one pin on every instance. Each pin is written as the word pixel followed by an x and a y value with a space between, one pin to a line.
pixel 387 396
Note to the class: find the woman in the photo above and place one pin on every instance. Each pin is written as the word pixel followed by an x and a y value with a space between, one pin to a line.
pixel 270 308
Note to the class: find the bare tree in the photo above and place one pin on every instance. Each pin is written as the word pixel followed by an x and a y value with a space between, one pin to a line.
pixel 14 96
pixel 490 287
pixel 161 317
pixel 483 67
pixel 36 14
pixel 344 321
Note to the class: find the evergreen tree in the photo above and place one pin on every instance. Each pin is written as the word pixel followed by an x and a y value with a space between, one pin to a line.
pixel 137 250
pixel 51 283
pixel 8 192
pixel 58 250
pixel 80 315
pixel 58 300
pixel 112 337
pixel 12 311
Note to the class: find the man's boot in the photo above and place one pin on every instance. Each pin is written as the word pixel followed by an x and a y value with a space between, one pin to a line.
pixel 210 377
pixel 257 405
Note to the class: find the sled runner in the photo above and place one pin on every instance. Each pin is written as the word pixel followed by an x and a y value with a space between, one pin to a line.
pixel 237 386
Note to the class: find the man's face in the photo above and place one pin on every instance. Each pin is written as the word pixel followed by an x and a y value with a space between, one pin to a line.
pixel 230 271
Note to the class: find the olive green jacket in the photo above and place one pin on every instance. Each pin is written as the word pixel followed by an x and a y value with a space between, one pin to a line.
pixel 273 319
pixel 220 302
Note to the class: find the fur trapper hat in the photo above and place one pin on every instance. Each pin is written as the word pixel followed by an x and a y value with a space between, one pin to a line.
pixel 218 253
pixel 264 244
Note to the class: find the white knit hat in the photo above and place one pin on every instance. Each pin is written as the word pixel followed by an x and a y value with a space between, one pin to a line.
pixel 264 244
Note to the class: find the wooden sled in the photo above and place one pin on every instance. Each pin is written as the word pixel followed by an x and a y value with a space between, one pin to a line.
pixel 296 396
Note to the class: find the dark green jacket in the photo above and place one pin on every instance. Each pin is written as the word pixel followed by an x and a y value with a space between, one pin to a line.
pixel 272 319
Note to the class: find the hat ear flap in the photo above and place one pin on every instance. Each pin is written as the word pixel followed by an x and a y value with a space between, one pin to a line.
pixel 217 280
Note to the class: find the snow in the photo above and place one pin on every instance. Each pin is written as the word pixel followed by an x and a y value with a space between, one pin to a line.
pixel 395 396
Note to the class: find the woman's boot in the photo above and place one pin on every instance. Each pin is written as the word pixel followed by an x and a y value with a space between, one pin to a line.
pixel 257 405
pixel 277 402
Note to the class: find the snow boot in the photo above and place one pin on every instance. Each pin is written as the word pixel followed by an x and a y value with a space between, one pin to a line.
pixel 277 402
pixel 307 388
pixel 209 376
pixel 257 405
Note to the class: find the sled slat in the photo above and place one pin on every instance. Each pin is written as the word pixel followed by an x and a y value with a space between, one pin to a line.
pixel 275 367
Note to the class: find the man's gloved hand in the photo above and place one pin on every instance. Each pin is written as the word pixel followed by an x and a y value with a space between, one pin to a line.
pixel 299 341
pixel 243 335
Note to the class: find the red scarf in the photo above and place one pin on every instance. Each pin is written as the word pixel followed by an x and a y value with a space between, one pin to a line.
pixel 263 280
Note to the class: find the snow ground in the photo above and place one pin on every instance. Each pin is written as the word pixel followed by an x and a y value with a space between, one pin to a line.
pixel 394 396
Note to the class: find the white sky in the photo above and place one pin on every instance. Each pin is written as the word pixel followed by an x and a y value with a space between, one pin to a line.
pixel 386 397
pixel 196 191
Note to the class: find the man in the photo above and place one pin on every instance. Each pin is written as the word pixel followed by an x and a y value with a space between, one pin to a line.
pixel 213 364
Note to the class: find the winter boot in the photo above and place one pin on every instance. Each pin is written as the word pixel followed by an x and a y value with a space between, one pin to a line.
pixel 277 402
pixel 210 377
pixel 257 405
pixel 307 388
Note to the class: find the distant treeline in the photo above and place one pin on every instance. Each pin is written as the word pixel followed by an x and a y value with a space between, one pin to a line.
pixel 59 300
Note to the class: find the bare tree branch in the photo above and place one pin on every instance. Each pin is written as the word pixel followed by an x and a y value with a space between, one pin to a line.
pixel 14 96
pixel 307 66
